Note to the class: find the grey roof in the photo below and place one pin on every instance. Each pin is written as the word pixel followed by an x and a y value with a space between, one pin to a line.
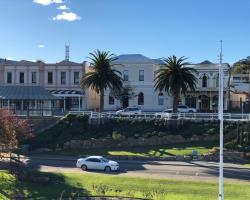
pixel 25 92
pixel 158 61
pixel 132 58
pixel 67 62
pixel 6 61
pixel 205 62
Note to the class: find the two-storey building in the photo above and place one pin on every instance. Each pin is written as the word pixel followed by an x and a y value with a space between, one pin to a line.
pixel 138 73
pixel 36 87
pixel 205 97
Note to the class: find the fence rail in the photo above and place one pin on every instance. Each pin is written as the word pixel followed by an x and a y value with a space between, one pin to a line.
pixel 169 116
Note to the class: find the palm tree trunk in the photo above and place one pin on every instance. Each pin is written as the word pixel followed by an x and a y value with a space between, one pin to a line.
pixel 175 103
pixel 101 100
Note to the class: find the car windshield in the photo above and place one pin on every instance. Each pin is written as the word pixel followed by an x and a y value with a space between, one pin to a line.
pixel 104 160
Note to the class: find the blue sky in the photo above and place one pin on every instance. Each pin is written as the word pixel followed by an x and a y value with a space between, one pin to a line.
pixel 155 28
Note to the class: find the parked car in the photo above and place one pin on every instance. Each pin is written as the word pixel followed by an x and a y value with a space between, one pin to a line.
pixel 186 109
pixel 97 163
pixel 168 112
pixel 164 114
pixel 129 111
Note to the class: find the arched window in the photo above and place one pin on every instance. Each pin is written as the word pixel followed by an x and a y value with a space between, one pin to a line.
pixel 204 81
pixel 125 75
pixel 140 98
pixel 111 100
pixel 160 99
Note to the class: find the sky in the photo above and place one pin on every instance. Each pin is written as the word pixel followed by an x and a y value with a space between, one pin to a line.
pixel 39 29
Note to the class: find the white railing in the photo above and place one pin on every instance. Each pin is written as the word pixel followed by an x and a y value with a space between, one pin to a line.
pixel 150 115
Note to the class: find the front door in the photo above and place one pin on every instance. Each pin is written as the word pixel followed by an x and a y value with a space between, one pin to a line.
pixel 125 102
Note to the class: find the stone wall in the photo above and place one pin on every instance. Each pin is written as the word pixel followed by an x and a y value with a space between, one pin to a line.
pixel 134 142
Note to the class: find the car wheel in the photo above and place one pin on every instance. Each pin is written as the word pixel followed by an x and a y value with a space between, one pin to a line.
pixel 190 111
pixel 107 169
pixel 84 168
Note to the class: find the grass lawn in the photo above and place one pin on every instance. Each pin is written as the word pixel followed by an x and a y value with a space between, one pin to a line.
pixel 92 184
pixel 157 151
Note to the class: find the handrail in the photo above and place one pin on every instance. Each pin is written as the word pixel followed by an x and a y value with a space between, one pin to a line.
pixel 150 115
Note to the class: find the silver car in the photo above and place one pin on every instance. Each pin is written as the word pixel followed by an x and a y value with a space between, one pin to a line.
pixel 97 163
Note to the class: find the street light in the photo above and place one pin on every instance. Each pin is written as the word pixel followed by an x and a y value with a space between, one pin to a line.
pixel 221 84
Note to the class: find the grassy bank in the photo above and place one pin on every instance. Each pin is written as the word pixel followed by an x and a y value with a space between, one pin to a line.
pixel 92 184
pixel 146 151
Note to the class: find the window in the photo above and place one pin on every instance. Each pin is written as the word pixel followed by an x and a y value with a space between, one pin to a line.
pixel 125 75
pixel 111 100
pixel 93 160
pixel 50 77
pixel 204 81
pixel 76 78
pixel 160 99
pixel 9 77
pixel 141 99
pixel 21 77
pixel 63 78
pixel 33 77
pixel 141 75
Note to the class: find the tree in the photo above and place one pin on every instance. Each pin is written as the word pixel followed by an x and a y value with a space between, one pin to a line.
pixel 124 94
pixel 175 77
pixel 12 129
pixel 102 76
pixel 241 66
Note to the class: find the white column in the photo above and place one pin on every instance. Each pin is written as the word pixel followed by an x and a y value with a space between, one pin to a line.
pixel 64 104
pixel 79 103
pixel 8 104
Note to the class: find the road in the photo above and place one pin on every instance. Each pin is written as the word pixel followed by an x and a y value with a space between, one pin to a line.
pixel 199 170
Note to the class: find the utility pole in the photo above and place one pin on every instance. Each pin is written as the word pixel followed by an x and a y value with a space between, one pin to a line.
pixel 221 84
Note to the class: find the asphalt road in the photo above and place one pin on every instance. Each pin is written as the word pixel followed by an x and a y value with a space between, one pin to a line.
pixel 150 169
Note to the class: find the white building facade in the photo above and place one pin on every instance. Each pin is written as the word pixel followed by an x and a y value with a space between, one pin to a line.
pixel 138 73
pixel 205 98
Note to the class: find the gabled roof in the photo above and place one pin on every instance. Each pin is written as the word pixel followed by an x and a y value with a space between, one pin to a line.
pixel 132 59
pixel 67 62
pixel 205 62
pixel 19 92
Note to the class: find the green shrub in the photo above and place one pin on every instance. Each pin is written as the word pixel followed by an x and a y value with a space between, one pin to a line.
pixel 117 136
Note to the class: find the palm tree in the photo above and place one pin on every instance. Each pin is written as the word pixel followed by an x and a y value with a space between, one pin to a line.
pixel 102 76
pixel 175 78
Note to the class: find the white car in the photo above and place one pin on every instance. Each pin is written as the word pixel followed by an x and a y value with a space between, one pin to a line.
pixel 97 163
pixel 129 111
pixel 169 112
pixel 164 114
pixel 186 109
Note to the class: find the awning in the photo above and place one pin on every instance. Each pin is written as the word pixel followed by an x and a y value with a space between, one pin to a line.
pixel 66 92
pixel 16 92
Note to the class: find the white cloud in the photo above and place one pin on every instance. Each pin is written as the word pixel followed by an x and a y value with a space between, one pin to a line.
pixel 41 45
pixel 63 7
pixel 68 16
pixel 47 2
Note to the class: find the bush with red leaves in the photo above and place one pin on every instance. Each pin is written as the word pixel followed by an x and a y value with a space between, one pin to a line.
pixel 12 129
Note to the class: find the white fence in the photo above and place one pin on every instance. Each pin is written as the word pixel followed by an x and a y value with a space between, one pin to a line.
pixel 148 115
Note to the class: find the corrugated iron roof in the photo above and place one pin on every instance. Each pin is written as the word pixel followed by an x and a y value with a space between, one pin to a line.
pixel 25 92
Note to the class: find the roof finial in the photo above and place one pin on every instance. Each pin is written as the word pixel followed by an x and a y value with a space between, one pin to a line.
pixel 67 52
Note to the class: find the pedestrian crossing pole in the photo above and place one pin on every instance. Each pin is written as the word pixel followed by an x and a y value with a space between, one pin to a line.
pixel 221 84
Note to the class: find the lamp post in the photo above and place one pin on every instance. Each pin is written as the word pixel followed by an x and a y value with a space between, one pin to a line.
pixel 221 83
